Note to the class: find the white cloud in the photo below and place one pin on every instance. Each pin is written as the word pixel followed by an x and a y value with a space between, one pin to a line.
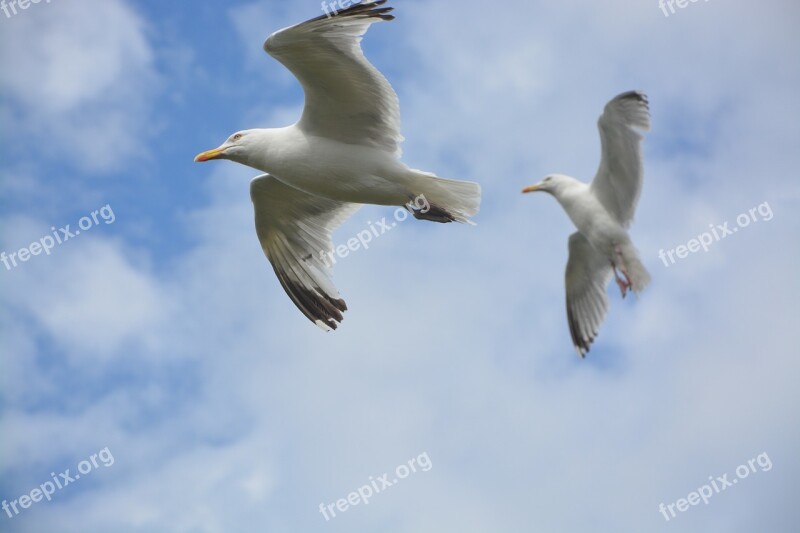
pixel 87 294
pixel 80 75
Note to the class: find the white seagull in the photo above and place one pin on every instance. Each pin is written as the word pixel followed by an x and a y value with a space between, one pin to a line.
pixel 344 151
pixel 603 212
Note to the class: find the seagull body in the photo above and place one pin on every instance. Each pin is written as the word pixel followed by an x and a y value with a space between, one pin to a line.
pixel 342 153
pixel 603 212
pixel 352 173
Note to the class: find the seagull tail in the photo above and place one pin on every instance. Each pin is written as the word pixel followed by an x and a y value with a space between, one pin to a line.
pixel 638 274
pixel 442 200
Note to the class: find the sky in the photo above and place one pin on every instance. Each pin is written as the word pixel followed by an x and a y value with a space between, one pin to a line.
pixel 155 355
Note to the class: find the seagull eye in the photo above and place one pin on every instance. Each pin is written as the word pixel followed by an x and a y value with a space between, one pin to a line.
pixel 237 137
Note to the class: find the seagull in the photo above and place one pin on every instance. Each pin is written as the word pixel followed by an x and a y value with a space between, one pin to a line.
pixel 603 213
pixel 342 153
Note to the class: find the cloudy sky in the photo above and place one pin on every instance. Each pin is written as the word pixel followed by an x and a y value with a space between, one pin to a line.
pixel 158 341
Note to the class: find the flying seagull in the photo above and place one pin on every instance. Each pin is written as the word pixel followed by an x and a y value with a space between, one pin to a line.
pixel 603 212
pixel 343 152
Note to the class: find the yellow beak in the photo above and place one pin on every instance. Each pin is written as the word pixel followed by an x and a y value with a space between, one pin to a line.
pixel 532 188
pixel 209 155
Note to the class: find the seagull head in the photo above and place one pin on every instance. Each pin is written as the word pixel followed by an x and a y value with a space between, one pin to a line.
pixel 236 148
pixel 553 184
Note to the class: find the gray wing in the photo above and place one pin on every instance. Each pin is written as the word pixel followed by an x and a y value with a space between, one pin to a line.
pixel 294 229
pixel 587 278
pixel 618 183
pixel 347 99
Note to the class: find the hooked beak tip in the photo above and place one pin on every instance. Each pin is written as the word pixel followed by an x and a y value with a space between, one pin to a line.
pixel 532 188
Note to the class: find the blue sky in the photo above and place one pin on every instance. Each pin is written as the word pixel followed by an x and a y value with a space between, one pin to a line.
pixel 164 338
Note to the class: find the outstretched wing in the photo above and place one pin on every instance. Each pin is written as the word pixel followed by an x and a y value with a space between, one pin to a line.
pixel 618 183
pixel 347 99
pixel 295 232
pixel 587 277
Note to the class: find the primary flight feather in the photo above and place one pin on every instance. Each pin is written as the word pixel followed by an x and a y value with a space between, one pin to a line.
pixel 343 152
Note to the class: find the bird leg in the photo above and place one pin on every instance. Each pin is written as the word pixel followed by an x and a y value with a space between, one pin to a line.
pixel 624 284
pixel 431 212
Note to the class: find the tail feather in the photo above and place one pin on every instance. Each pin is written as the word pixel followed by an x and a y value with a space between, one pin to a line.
pixel 447 200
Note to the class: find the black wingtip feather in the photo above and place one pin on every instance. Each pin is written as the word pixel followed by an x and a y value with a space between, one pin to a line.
pixel 639 96
pixel 314 304
pixel 583 347
pixel 369 9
